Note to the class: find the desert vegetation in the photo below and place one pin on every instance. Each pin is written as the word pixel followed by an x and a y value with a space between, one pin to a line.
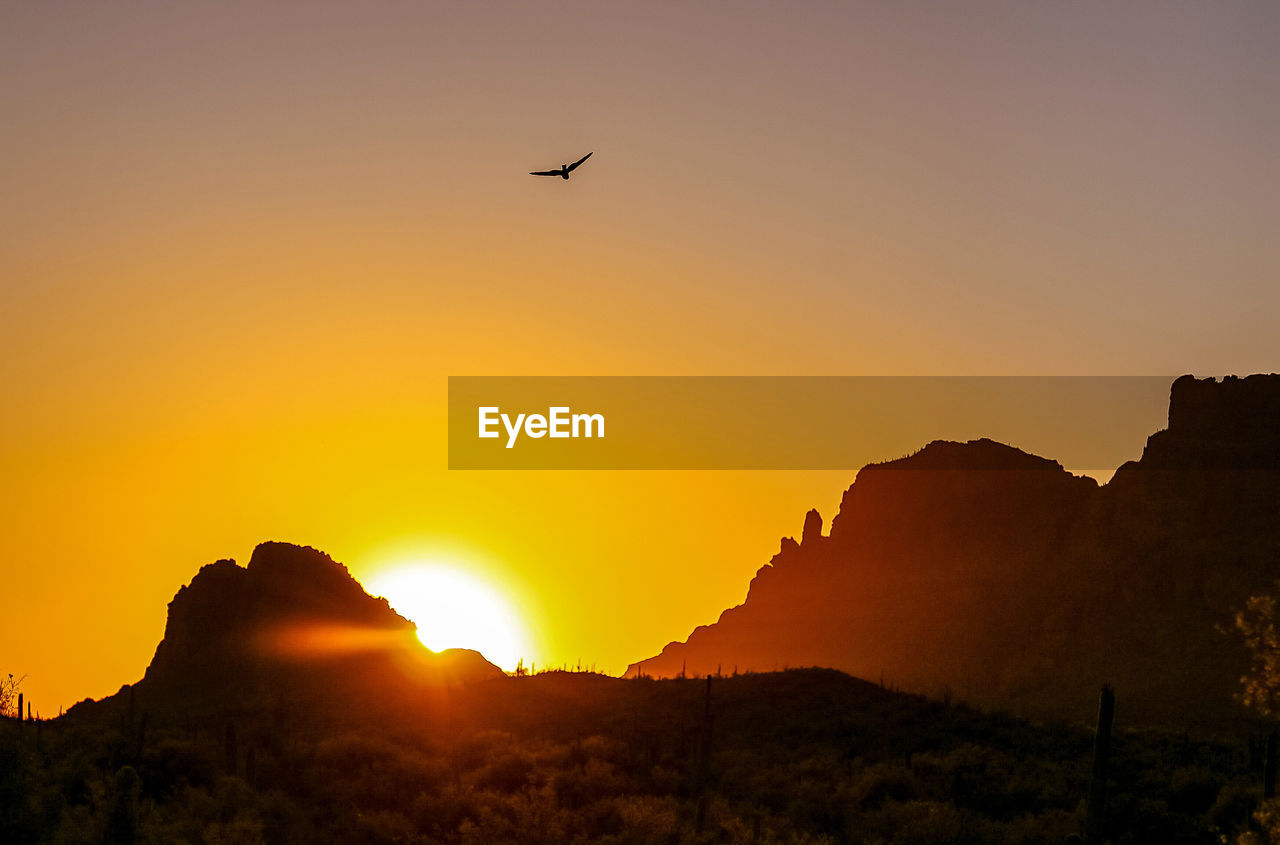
pixel 803 756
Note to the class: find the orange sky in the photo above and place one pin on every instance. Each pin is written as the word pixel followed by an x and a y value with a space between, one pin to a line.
pixel 241 249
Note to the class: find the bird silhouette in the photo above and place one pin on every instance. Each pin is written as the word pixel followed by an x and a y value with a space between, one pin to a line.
pixel 564 171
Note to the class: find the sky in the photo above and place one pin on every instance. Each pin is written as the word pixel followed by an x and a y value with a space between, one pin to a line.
pixel 243 245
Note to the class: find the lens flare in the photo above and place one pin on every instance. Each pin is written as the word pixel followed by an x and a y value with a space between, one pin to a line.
pixel 455 609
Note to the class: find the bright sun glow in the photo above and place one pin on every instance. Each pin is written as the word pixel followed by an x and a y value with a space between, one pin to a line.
pixel 454 609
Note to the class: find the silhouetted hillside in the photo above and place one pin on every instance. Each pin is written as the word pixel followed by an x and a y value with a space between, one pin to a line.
pixel 811 757
pixel 977 568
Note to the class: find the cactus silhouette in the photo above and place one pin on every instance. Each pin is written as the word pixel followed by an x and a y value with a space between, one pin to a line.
pixel 1095 820
pixel 703 774
pixel 1269 769
pixel 230 749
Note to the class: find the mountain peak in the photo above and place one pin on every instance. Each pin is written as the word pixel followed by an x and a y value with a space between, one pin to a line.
pixel 980 454
pixel 294 618
pixel 1219 424
pixel 812 528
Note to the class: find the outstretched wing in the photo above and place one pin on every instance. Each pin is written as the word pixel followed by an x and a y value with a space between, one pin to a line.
pixel 581 160
pixel 544 172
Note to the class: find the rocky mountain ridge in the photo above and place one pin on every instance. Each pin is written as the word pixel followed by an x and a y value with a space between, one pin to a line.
pixel 984 572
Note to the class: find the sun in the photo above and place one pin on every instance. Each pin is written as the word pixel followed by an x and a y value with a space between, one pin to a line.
pixel 455 609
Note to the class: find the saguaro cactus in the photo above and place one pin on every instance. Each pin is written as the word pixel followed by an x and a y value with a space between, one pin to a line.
pixel 704 761
pixel 140 737
pixel 1097 805
pixel 1269 768
pixel 230 750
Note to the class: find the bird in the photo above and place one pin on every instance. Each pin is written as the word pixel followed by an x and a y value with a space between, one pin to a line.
pixel 564 171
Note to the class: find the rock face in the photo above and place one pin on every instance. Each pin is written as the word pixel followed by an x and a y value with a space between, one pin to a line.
pixel 293 622
pixel 994 574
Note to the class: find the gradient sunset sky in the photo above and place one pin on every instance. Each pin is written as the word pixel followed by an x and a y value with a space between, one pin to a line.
pixel 242 246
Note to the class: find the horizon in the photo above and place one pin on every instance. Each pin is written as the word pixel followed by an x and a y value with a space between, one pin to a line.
pixel 247 246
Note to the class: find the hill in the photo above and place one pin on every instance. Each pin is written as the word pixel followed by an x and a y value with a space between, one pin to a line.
pixel 812 757
pixel 978 569
pixel 294 625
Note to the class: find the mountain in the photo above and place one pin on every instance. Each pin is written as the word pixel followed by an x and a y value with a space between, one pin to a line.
pixel 294 623
pixel 994 575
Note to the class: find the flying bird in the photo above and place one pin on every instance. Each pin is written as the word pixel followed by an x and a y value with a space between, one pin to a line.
pixel 564 171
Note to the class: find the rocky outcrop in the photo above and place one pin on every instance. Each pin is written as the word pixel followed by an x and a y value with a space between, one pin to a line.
pixel 979 569
pixel 812 528
pixel 292 623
